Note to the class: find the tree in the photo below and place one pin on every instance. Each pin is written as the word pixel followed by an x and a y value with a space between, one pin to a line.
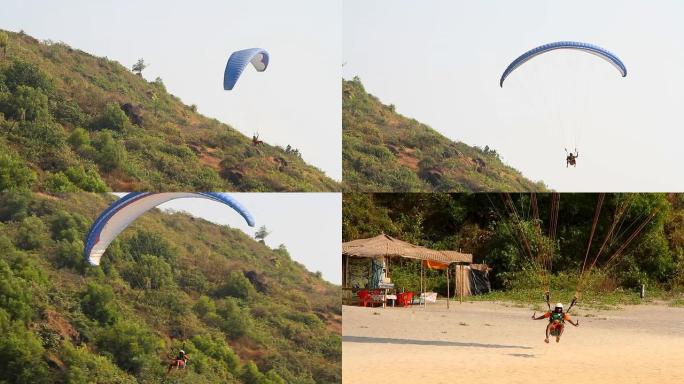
pixel 4 42
pixel 156 102
pixel 139 67
pixel 261 234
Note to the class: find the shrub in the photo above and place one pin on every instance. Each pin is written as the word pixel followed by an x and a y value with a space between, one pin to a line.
pixel 98 303
pixel 150 243
pixel 21 354
pixel 58 183
pixel 110 154
pixel 149 272
pixel 27 104
pixel 112 118
pixel 131 346
pixel 70 254
pixel 237 285
pixel 15 295
pixel 14 204
pixel 83 367
pixel 235 322
pixel 24 74
pixel 14 174
pixel 32 234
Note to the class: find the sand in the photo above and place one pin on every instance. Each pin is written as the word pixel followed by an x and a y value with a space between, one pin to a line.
pixel 497 343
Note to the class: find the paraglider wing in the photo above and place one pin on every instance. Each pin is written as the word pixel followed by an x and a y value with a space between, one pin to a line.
pixel 590 48
pixel 124 211
pixel 239 60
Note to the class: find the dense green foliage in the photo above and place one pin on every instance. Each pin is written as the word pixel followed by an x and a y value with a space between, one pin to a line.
pixel 480 224
pixel 386 152
pixel 243 312
pixel 70 121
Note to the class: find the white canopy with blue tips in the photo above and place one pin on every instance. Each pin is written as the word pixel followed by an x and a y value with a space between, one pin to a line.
pixel 590 48
pixel 120 214
pixel 239 60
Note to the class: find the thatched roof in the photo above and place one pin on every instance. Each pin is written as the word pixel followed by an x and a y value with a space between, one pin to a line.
pixel 384 245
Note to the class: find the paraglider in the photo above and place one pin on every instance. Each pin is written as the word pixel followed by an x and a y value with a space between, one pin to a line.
pixel 622 230
pixel 179 362
pixel 239 60
pixel 554 94
pixel 120 214
pixel 571 158
pixel 557 319
pixel 255 140
pixel 589 48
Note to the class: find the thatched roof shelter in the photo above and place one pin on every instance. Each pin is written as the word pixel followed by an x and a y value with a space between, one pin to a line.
pixel 387 246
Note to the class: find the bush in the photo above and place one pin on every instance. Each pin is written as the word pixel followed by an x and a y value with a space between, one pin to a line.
pixel 24 74
pixel 15 295
pixel 70 254
pixel 235 321
pixel 80 140
pixel 27 104
pixel 150 243
pixel 112 118
pixel 149 272
pixel 86 179
pixel 237 285
pixel 217 349
pixel 98 303
pixel 58 183
pixel 21 354
pixel 204 306
pixel 110 154
pixel 131 346
pixel 14 205
pixel 83 367
pixel 67 226
pixel 14 174
pixel 32 234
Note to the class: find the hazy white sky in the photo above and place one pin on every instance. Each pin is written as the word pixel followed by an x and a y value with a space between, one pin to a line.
pixel 309 224
pixel 440 62
pixel 187 43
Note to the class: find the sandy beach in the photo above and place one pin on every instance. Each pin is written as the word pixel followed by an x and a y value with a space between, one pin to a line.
pixel 484 342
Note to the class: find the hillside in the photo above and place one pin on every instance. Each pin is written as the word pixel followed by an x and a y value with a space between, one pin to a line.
pixel 245 313
pixel 384 151
pixel 71 121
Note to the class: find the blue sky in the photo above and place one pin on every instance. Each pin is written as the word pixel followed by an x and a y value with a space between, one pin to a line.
pixel 440 62
pixel 308 224
pixel 296 101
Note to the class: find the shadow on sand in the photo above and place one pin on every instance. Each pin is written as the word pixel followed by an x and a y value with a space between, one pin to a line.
pixel 436 343
pixel 525 355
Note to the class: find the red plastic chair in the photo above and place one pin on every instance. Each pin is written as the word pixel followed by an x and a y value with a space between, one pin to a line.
pixel 365 298
pixel 405 299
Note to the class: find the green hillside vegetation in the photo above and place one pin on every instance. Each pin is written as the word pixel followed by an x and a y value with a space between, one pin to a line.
pixel 478 224
pixel 243 312
pixel 384 151
pixel 71 121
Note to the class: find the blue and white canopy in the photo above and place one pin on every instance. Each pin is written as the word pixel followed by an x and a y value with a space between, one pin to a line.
pixel 120 214
pixel 239 60
pixel 590 48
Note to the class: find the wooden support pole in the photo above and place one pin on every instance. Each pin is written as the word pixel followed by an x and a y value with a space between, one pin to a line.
pixel 446 273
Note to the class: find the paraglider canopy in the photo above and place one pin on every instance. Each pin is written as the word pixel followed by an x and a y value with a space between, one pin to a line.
pixel 585 47
pixel 238 61
pixel 120 214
